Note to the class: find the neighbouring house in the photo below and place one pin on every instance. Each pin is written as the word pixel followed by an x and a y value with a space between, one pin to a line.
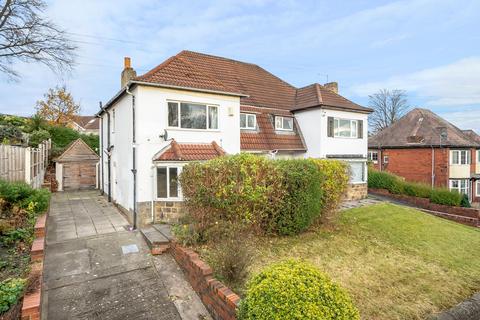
pixel 195 106
pixel 85 124
pixel 423 147
pixel 77 167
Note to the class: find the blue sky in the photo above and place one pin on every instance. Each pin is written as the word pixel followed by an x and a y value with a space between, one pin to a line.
pixel 431 48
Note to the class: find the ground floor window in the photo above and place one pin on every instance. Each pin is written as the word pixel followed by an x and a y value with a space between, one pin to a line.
pixel 478 188
pixel 168 186
pixel 373 156
pixel 460 185
pixel 357 172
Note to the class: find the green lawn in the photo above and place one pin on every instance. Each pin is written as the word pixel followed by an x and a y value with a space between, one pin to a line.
pixel 396 262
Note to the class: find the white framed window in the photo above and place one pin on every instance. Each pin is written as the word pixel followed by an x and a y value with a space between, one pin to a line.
pixel 167 183
pixel 283 123
pixel 460 157
pixel 478 156
pixel 248 121
pixel 373 156
pixel 345 128
pixel 385 159
pixel 357 172
pixel 188 115
pixel 460 185
pixel 478 188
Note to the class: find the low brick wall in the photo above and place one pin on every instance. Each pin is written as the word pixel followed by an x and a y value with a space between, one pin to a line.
pixel 469 216
pixel 219 300
pixel 31 309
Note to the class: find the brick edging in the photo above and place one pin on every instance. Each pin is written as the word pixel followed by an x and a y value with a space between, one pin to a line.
pixel 220 301
pixel 468 216
pixel 31 307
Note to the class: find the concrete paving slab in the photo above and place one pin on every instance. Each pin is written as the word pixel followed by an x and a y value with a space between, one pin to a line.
pixel 87 275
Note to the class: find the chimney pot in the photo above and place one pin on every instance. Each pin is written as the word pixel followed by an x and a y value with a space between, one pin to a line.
pixel 127 62
pixel 332 86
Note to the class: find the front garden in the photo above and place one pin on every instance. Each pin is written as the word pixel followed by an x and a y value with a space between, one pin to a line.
pixel 249 217
pixel 20 205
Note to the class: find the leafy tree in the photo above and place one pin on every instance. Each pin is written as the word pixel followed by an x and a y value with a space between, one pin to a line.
pixel 36 123
pixel 58 106
pixel 28 37
pixel 388 106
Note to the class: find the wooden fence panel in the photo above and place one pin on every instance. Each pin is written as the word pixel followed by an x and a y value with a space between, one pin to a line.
pixel 24 164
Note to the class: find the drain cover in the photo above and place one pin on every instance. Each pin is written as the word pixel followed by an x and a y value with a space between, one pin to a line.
pixel 131 248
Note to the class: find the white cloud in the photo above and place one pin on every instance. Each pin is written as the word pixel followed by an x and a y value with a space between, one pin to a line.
pixel 466 119
pixel 455 84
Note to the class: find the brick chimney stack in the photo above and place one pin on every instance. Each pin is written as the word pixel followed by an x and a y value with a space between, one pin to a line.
pixel 332 86
pixel 128 72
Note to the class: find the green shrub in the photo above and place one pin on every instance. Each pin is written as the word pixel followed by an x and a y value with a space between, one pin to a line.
pixel 334 183
pixel 63 136
pixel 384 180
pixel 37 137
pixel 10 134
pixel 417 190
pixel 295 290
pixel 465 202
pixel 301 203
pixel 24 196
pixel 243 189
pixel 445 197
pixel 10 291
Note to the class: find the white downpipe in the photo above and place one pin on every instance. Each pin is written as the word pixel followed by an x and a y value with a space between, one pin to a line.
pixel 153 195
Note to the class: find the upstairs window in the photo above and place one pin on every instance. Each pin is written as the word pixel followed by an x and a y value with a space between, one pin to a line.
pixel 344 128
pixel 478 156
pixel 460 157
pixel 248 121
pixel 192 115
pixel 283 123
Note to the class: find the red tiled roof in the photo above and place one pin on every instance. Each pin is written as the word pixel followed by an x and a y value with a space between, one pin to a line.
pixel 178 72
pixel 189 151
pixel 265 138
pixel 316 95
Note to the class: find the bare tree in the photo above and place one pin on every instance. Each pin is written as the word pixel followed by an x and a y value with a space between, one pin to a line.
pixel 388 106
pixel 58 106
pixel 26 36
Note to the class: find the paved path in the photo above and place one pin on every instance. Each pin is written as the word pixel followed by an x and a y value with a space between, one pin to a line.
pixel 95 269
pixel 345 205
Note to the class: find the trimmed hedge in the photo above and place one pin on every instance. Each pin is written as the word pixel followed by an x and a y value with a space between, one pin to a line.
pixel 336 177
pixel 302 201
pixel 295 290
pixel 395 185
pixel 267 196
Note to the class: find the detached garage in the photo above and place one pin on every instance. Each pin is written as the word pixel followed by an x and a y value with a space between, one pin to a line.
pixel 77 167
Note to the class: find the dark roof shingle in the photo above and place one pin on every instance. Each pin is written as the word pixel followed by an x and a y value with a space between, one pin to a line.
pixel 421 127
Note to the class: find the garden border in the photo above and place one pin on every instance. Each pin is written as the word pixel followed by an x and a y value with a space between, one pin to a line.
pixel 220 301
pixel 467 216
pixel 31 306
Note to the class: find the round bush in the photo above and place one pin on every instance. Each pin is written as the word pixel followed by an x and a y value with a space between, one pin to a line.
pixel 295 290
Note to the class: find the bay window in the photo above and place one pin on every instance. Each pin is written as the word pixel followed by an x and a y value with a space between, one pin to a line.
pixel 283 123
pixel 248 121
pixel 168 186
pixel 460 157
pixel 192 115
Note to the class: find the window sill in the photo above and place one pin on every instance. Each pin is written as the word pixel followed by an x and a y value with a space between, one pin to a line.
pixel 349 138
pixel 358 182
pixel 169 199
pixel 193 130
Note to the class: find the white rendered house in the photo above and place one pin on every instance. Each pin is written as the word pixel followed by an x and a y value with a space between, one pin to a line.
pixel 195 106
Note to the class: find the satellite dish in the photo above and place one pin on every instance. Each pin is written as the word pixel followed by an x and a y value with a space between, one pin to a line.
pixel 164 136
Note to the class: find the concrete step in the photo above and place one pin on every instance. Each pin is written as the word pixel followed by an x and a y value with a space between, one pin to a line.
pixel 156 241
pixel 165 230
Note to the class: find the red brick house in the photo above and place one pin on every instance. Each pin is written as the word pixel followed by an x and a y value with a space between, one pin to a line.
pixel 423 147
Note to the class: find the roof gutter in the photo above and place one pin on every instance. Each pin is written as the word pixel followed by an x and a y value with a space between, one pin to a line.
pixel 159 85
pixel 323 106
